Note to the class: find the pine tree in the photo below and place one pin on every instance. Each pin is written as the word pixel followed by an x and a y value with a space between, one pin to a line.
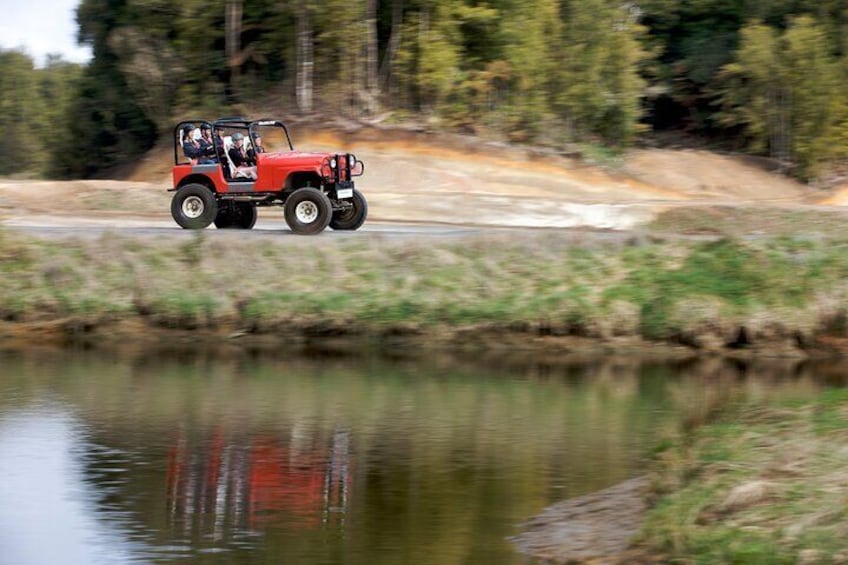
pixel 20 111
pixel 599 85
pixel 531 36
pixel 784 89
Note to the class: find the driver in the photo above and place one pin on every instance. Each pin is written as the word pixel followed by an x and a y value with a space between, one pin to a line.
pixel 256 149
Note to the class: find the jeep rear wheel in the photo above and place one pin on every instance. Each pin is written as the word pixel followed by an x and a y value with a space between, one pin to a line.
pixel 194 207
pixel 308 211
pixel 237 215
pixel 353 217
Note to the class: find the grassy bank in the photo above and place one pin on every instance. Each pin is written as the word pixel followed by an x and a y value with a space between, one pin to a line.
pixel 703 294
pixel 763 485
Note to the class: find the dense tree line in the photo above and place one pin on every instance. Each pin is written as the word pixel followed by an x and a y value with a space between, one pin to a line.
pixel 764 75
pixel 33 103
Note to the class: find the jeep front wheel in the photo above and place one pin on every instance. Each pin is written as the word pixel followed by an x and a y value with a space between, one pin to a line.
pixel 308 211
pixel 237 216
pixel 353 217
pixel 194 207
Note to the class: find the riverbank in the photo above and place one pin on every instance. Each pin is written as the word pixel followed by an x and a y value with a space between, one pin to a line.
pixel 539 290
pixel 763 483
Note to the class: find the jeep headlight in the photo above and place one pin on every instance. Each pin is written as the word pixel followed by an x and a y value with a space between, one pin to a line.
pixel 352 161
pixel 333 163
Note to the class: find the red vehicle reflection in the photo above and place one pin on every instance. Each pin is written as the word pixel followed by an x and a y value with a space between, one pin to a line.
pixel 254 484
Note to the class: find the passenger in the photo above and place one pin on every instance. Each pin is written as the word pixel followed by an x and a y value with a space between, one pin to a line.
pixel 207 144
pixel 256 149
pixel 193 149
pixel 220 148
pixel 238 155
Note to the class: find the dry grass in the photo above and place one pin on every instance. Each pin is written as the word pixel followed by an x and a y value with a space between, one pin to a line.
pixel 754 221
pixel 768 485
pixel 699 294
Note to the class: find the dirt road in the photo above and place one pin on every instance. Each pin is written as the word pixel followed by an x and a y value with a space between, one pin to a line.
pixel 412 183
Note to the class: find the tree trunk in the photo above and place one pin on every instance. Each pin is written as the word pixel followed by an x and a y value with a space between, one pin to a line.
pixel 372 88
pixel 394 44
pixel 305 60
pixel 423 37
pixel 232 36
pixel 780 127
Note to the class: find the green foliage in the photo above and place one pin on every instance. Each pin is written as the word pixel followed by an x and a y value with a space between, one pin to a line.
pixel 701 517
pixel 105 124
pixel 786 90
pixel 737 275
pixel 531 36
pixel 599 85
pixel 763 75
pixel 19 106
pixel 32 105
pixel 545 284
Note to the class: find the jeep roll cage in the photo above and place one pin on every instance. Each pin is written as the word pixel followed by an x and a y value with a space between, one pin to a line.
pixel 232 122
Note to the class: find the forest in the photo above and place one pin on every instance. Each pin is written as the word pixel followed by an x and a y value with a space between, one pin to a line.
pixel 759 76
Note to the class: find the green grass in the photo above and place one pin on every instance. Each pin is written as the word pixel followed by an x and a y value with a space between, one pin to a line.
pixel 658 291
pixel 794 449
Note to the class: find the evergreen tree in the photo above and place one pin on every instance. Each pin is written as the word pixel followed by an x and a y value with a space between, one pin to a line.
pixel 600 87
pixel 33 102
pixel 20 110
pixel 784 89
pixel 106 121
pixel 531 36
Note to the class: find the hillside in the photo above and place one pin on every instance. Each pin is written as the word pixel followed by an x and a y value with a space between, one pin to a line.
pixel 422 177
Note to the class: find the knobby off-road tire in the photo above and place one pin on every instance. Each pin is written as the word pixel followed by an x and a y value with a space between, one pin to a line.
pixel 308 211
pixel 352 218
pixel 239 216
pixel 194 207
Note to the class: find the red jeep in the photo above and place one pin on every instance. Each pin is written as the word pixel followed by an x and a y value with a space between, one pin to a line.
pixel 316 190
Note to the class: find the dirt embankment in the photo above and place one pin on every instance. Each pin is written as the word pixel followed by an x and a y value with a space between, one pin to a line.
pixel 422 177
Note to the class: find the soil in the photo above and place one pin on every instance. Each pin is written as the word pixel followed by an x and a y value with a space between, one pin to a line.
pixel 596 528
pixel 420 177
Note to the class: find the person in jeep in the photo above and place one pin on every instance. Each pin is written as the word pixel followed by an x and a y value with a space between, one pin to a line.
pixel 256 149
pixel 238 155
pixel 207 144
pixel 193 149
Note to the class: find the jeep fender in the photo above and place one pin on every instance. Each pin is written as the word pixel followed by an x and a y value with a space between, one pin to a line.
pixel 196 179
pixel 301 179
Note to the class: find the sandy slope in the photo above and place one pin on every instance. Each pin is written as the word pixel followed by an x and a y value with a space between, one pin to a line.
pixel 423 178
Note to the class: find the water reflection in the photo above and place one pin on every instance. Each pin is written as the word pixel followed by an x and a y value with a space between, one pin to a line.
pixel 229 483
pixel 240 460
pixel 48 512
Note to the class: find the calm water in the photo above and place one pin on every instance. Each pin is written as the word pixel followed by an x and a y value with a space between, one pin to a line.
pixel 177 460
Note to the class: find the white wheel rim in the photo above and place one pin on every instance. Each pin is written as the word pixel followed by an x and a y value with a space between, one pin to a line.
pixel 306 212
pixel 193 207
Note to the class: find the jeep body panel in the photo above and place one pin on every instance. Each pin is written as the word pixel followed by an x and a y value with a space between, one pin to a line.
pixel 273 169
pixel 202 174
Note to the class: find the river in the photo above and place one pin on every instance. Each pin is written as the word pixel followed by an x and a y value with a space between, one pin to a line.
pixel 186 457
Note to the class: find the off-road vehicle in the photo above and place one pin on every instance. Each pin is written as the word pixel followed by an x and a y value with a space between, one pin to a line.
pixel 316 190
